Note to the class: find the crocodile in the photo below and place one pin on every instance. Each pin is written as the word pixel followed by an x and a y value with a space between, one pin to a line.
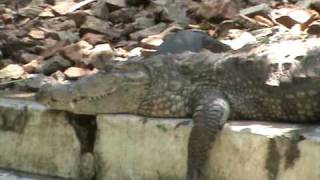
pixel 209 87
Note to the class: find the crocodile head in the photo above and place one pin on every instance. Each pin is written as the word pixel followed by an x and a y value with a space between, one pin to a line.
pixel 117 90
pixel 153 87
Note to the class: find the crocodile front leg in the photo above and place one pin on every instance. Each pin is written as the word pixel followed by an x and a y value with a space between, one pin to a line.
pixel 210 112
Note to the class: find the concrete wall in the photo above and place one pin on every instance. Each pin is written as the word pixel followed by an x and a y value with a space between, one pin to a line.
pixel 133 147
pixel 34 140
pixel 128 147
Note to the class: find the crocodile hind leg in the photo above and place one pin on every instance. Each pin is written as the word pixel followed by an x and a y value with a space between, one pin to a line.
pixel 211 110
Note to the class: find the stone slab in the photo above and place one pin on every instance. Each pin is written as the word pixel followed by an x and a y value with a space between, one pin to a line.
pixel 35 140
pixel 133 147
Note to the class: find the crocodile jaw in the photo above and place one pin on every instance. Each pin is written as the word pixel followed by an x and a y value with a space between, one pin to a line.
pixel 107 92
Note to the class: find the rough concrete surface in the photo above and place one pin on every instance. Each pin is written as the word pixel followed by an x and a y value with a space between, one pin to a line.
pixel 129 147
pixel 35 140
pixel 134 147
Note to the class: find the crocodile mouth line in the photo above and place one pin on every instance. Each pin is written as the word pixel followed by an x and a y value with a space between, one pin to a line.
pixel 81 98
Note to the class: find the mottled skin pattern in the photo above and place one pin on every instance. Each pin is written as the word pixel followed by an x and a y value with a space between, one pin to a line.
pixel 210 88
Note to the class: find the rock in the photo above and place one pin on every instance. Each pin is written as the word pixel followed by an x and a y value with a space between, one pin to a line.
pixel 124 15
pixel 76 72
pixel 79 5
pixel 152 42
pixel 78 17
pixel 128 45
pixel 96 25
pixel 257 2
pixel 10 43
pixel 2 25
pixel 51 50
pixel 53 64
pixel 26 57
pixel 59 24
pixel 101 10
pixel 30 11
pixel 261 9
pixel 5 62
pixel 176 12
pixel 242 39
pixel 12 71
pixel 135 52
pixel 7 18
pixel 144 22
pixel 36 34
pixel 118 3
pixel 216 9
pixel 77 52
pixel 47 143
pixel 278 150
pixel 50 42
pixel 65 36
pixel 46 13
pixel 32 66
pixel 100 55
pixel 292 17
pixel 149 31
pixel 61 8
pixel 59 76
pixel 94 38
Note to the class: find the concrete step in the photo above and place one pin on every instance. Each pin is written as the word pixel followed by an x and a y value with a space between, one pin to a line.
pixel 133 147
pixel 127 147
pixel 36 140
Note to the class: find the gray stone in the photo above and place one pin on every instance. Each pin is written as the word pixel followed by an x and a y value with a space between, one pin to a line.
pixel 101 10
pixel 124 15
pixel 66 36
pixel 175 11
pixel 156 29
pixel 134 147
pixel 36 140
pixel 97 25
pixel 144 22
pixel 258 9
pixel 54 64
pixel 119 3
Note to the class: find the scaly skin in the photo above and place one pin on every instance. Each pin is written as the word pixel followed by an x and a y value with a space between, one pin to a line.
pixel 210 88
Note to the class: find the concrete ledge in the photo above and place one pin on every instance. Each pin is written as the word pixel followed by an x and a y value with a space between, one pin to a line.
pixel 134 147
pixel 128 147
pixel 34 140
